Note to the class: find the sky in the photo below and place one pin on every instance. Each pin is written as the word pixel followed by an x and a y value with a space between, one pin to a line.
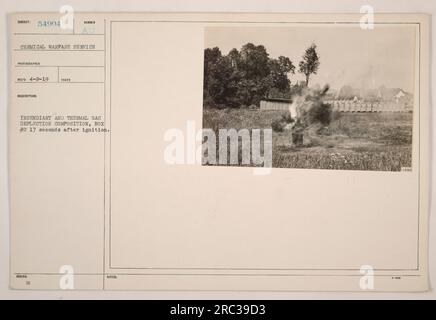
pixel 348 55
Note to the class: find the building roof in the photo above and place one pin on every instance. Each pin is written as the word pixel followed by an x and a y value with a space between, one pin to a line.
pixel 278 100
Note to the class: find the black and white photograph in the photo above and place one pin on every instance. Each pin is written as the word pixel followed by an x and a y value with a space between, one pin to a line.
pixel 183 153
pixel 333 96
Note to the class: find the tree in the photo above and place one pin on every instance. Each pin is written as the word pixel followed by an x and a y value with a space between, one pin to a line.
pixel 253 68
pixel 211 57
pixel 244 77
pixel 279 70
pixel 310 63
pixel 235 58
pixel 254 61
pixel 286 65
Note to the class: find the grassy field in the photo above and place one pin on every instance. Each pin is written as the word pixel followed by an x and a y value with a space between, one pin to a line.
pixel 352 141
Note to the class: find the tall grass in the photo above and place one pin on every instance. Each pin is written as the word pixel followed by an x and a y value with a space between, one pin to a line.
pixel 352 141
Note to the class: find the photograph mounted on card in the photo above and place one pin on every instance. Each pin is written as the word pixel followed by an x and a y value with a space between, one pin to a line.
pixel 213 151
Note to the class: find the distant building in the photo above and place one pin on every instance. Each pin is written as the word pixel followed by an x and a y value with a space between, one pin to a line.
pixel 400 95
pixel 275 104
